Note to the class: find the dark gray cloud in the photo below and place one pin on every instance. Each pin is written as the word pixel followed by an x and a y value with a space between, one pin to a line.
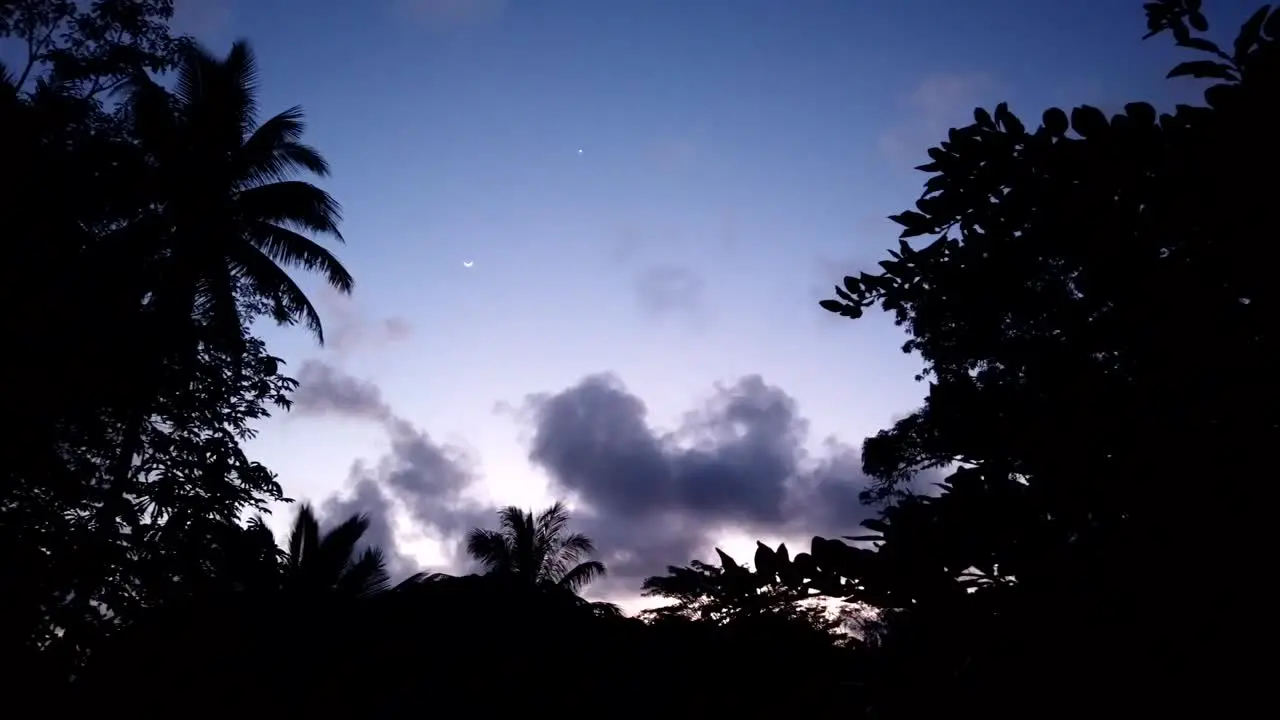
pixel 427 479
pixel 648 498
pixel 431 480
pixel 367 498
pixel 665 290
pixel 654 499
pixel 325 390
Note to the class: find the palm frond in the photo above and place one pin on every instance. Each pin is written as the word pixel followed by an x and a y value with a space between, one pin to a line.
pixel 271 282
pixel 304 537
pixel 292 203
pixel 519 536
pixel 576 547
pixel 553 521
pixel 338 545
pixel 365 577
pixel 274 151
pixel 512 519
pixel 490 548
pixel 581 575
pixel 188 81
pixel 241 76
pixel 291 249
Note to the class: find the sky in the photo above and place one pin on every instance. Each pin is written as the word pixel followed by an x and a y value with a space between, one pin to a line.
pixel 654 196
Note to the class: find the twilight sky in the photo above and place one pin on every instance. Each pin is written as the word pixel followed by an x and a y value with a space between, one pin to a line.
pixel 639 334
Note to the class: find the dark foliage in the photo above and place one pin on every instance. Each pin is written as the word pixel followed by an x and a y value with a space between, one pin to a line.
pixel 131 392
pixel 1090 304
pixel 309 639
pixel 1095 325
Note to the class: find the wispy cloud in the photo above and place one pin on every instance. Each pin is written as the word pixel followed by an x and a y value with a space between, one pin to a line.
pixel 668 290
pixel 347 328
pixel 938 103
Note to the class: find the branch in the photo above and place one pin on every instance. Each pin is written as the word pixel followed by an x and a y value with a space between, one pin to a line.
pixel 34 48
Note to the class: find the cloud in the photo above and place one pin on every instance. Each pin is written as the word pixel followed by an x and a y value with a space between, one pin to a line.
pixel 652 499
pixel 431 479
pixel 452 14
pixel 325 390
pixel 649 498
pixel 346 329
pixel 366 497
pixel 666 290
pixel 938 103
pixel 428 480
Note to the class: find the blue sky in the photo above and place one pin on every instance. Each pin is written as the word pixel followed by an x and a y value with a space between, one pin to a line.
pixel 738 157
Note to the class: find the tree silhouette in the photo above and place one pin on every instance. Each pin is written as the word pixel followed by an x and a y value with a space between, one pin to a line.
pixel 230 215
pixel 730 591
pixel 1093 310
pixel 327 563
pixel 536 551
pixel 1093 323
pixel 90 49
pixel 126 477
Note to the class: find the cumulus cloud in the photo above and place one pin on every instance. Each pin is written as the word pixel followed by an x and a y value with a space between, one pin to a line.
pixel 650 498
pixel 325 390
pixel 427 479
pixel 366 497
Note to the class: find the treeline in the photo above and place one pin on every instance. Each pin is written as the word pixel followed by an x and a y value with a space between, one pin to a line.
pixel 319 629
pixel 1098 329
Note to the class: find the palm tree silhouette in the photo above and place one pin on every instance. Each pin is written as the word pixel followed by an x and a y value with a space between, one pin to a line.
pixel 229 217
pixel 223 220
pixel 327 564
pixel 536 551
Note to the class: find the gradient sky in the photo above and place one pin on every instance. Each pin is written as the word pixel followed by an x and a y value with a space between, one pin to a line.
pixel 738 157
